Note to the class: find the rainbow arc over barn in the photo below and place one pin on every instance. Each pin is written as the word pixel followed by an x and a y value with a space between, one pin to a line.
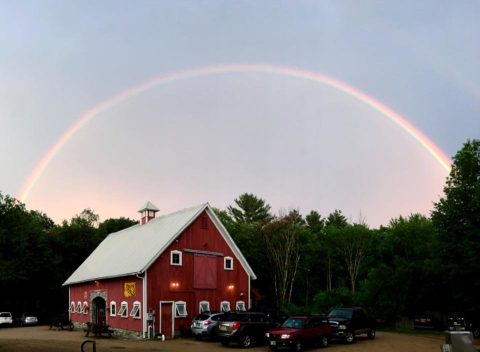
pixel 292 72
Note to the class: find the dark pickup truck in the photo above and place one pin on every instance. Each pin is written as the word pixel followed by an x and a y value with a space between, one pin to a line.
pixel 347 323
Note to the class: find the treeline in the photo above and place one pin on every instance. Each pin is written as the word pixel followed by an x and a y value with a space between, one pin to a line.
pixel 305 263
pixel 37 256
pixel 413 265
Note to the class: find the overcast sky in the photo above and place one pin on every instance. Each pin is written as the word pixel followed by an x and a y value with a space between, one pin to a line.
pixel 295 143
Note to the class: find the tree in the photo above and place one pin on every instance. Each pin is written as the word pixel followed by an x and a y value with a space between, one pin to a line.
pixel 336 219
pixel 315 222
pixel 113 225
pixel 250 209
pixel 457 218
pixel 354 242
pixel 282 238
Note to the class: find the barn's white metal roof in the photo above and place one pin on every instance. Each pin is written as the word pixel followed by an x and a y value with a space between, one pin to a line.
pixel 132 250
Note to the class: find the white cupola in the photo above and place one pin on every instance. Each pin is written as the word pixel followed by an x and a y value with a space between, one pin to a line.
pixel 147 212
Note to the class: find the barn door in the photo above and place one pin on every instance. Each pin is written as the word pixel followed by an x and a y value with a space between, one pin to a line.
pixel 166 319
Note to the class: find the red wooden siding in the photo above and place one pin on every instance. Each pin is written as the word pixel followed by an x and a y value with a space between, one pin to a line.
pixel 231 285
pixel 114 291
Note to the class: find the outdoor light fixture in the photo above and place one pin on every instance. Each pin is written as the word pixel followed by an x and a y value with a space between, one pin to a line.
pixel 174 284
pixel 231 287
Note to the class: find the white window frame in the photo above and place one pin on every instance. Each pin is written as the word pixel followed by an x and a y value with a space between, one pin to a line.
pixel 84 307
pixel 72 307
pixel 172 253
pixel 240 306
pixel 200 306
pixel 178 313
pixel 113 308
pixel 79 307
pixel 225 260
pixel 225 306
pixel 136 311
pixel 123 311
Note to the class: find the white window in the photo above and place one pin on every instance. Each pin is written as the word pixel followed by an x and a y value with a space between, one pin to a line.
pixel 85 307
pixel 135 313
pixel 113 308
pixel 176 258
pixel 123 311
pixel 180 309
pixel 225 306
pixel 72 307
pixel 228 263
pixel 240 305
pixel 79 307
pixel 204 306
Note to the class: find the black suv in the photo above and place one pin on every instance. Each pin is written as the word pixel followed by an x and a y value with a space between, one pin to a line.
pixel 347 323
pixel 245 328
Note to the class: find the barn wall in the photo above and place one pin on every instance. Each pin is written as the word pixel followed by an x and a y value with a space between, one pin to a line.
pixel 111 290
pixel 200 235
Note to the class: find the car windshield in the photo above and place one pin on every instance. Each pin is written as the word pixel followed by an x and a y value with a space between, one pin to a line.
pixel 293 323
pixel 341 313
pixel 5 315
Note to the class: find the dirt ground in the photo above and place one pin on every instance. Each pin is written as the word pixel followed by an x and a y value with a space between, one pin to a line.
pixel 41 339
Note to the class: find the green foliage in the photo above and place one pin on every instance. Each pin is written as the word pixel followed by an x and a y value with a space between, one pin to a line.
pixel 324 301
pixel 250 209
pixel 457 218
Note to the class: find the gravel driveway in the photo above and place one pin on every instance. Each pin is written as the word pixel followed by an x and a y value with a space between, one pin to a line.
pixel 41 339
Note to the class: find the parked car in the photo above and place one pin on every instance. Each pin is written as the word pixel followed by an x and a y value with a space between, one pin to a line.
pixel 299 331
pixel 426 322
pixel 465 321
pixel 204 324
pixel 245 328
pixel 28 319
pixel 6 319
pixel 348 323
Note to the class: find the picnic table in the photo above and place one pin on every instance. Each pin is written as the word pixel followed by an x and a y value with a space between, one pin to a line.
pixel 61 325
pixel 98 329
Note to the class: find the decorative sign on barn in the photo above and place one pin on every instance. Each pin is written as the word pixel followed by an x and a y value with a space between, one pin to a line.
pixel 129 289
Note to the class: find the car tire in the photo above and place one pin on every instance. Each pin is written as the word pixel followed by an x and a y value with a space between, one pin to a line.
pixel 324 341
pixel 349 337
pixel 371 334
pixel 476 333
pixel 246 341
pixel 298 346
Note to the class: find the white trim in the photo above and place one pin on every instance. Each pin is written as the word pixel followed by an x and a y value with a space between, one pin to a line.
pixel 69 297
pixel 84 307
pixel 200 310
pixel 79 307
pixel 72 306
pixel 144 305
pixel 249 298
pixel 179 257
pixel 225 259
pixel 160 317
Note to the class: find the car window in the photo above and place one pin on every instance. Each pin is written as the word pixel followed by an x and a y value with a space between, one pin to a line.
pixel 293 323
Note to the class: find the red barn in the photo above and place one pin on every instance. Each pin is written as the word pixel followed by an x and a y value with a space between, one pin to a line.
pixel 154 277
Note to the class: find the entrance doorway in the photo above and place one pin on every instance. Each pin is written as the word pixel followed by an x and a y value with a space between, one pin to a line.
pixel 98 311
pixel 166 319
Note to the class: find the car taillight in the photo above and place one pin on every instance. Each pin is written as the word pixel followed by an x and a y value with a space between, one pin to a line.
pixel 207 322
pixel 235 325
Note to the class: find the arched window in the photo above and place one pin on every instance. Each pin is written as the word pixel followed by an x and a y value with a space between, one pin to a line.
pixel 85 307
pixel 123 311
pixel 79 307
pixel 225 306
pixel 135 313
pixel 240 305
pixel 72 307
pixel 204 306
pixel 113 308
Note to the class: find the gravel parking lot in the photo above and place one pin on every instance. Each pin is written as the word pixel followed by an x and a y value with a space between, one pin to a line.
pixel 41 339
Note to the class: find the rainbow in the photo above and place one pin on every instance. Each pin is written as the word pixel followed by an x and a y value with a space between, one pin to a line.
pixel 292 72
